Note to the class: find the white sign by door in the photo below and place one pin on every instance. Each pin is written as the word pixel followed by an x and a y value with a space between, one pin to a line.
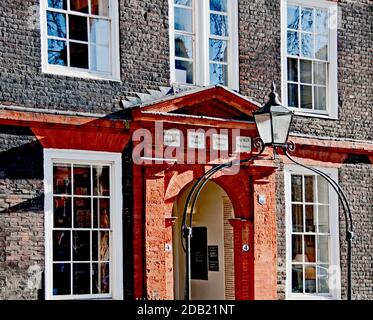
pixel 196 140
pixel 220 142
pixel 243 144
pixel 171 138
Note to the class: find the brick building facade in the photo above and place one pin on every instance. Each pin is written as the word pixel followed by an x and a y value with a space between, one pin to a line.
pixel 46 108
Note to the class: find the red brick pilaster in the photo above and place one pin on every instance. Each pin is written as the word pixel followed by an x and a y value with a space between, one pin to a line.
pixel 265 255
pixel 243 260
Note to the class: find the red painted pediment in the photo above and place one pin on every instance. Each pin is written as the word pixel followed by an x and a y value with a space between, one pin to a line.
pixel 215 102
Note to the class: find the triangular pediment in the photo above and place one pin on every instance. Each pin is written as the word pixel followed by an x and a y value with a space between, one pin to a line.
pixel 210 102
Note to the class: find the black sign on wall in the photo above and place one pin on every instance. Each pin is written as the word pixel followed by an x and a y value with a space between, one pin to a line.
pixel 213 258
pixel 198 257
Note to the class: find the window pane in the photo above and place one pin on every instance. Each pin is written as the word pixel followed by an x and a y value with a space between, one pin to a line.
pixel 310 279
pixel 309 187
pixel 218 74
pixel 309 247
pixel 306 97
pixel 218 50
pixel 104 277
pixel 82 180
pixel 297 279
pixel 297 217
pixel 307 19
pixel 101 213
pixel 184 2
pixel 61 278
pixel 297 248
pixel 293 95
pixel 218 5
pixel 323 249
pixel 323 279
pixel 78 28
pixel 292 69
pixel 218 25
pixel 321 17
pixel 79 55
pixel 306 71
pixel 100 7
pixel 101 178
pixel 310 218
pixel 319 73
pixel 307 45
pixel 296 188
pixel 61 246
pixel 100 58
pixel 320 98
pixel 95 245
pixel 293 43
pixel 323 219
pixel 81 246
pixel 56 24
pixel 62 179
pixel 104 213
pixel 82 212
pixel 81 278
pixel 62 212
pixel 57 52
pixel 79 5
pixel 321 47
pixel 99 31
pixel 183 71
pixel 183 46
pixel 104 246
pixel 100 246
pixel 322 190
pixel 57 4
pixel 183 19
pixel 293 17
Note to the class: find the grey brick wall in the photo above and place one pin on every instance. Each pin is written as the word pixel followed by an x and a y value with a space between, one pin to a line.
pixel 21 214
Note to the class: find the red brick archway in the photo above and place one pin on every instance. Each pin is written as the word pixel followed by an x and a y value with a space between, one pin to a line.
pixel 255 270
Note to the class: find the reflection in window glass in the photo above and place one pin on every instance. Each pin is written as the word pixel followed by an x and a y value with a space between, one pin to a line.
pixel 57 4
pixel 218 74
pixel 183 71
pixel 79 5
pixel 218 5
pixel 100 7
pixel 183 19
pixel 218 25
pixel 218 50
pixel 183 46
pixel 56 24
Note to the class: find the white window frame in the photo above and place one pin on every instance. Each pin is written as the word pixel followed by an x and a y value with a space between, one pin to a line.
pixel 79 72
pixel 201 67
pixel 116 245
pixel 334 258
pixel 331 111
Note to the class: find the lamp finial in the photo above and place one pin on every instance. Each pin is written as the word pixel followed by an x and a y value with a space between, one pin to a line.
pixel 274 99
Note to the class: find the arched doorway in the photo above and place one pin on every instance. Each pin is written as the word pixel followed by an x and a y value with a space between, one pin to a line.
pixel 212 249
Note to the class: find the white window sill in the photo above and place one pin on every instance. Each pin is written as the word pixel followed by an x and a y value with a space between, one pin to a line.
pixel 309 297
pixel 78 73
pixel 313 114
